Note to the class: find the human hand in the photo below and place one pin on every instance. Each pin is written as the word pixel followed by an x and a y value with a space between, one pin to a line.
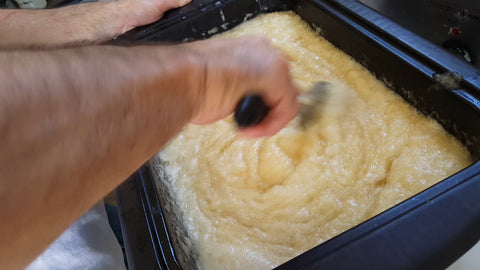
pixel 141 12
pixel 234 68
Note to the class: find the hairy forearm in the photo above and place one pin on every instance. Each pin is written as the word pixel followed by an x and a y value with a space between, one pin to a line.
pixel 67 26
pixel 73 125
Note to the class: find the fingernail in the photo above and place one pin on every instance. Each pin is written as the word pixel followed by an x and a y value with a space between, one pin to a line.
pixel 183 2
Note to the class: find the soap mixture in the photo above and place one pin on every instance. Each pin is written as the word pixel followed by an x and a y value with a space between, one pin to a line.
pixel 254 204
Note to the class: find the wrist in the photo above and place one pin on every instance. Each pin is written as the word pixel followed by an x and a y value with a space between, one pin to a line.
pixel 184 73
pixel 118 20
pixel 194 75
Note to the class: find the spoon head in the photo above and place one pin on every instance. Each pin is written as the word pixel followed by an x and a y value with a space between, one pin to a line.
pixel 313 101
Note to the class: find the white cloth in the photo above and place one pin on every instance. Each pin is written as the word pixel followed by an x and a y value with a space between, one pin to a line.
pixel 89 244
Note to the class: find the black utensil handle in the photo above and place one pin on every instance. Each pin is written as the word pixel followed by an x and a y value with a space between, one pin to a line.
pixel 250 111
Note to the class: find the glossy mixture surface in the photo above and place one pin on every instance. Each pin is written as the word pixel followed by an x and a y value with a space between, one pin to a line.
pixel 254 204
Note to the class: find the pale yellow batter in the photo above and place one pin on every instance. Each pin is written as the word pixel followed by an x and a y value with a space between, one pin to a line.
pixel 254 204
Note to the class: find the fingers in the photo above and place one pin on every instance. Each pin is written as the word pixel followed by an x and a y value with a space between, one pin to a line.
pixel 141 12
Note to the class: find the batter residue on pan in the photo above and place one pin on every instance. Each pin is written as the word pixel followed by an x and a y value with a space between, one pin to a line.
pixel 254 204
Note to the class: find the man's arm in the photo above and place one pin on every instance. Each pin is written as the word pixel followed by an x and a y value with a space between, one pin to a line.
pixel 78 24
pixel 75 123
